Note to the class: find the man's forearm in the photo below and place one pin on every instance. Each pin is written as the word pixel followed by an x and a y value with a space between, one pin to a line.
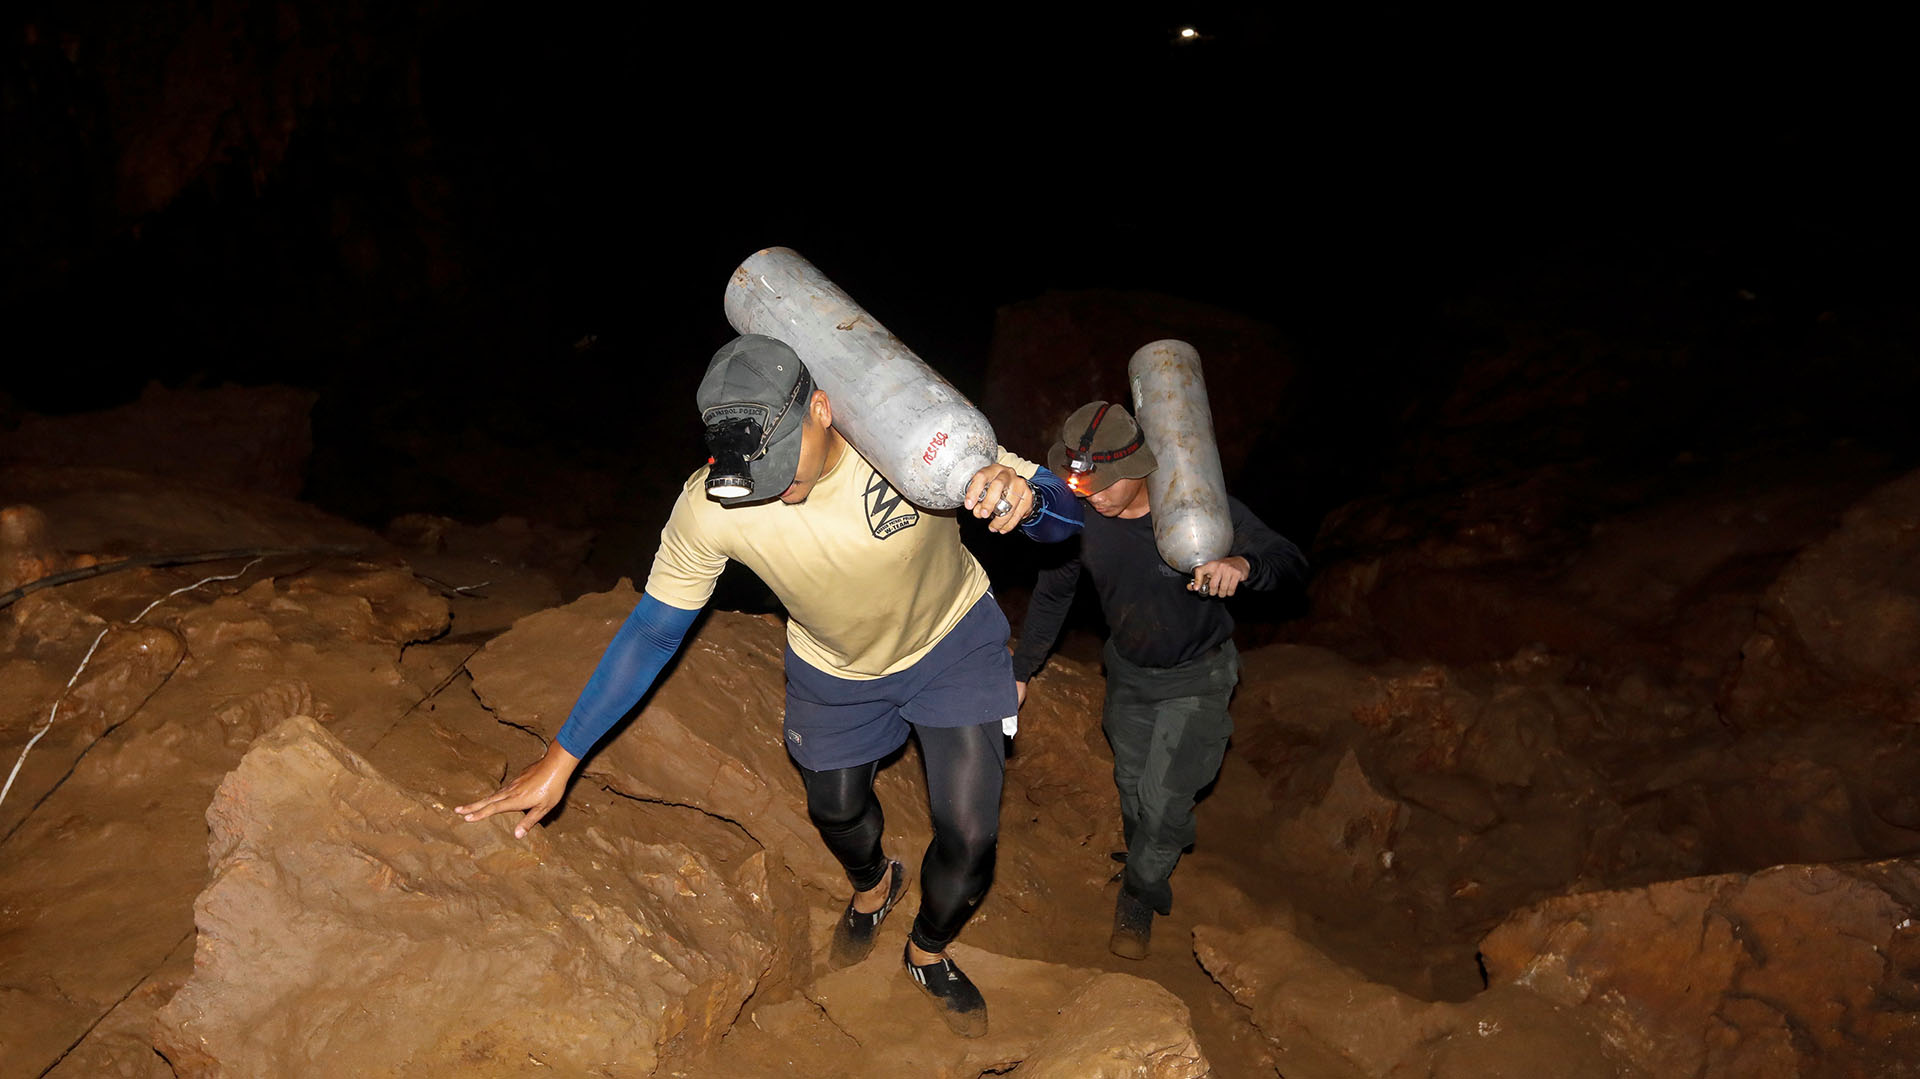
pixel 1046 613
pixel 627 669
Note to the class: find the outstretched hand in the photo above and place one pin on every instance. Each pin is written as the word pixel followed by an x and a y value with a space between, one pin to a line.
pixel 994 484
pixel 1220 577
pixel 537 789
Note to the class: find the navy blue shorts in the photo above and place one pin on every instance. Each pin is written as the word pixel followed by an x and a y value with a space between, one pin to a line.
pixel 964 681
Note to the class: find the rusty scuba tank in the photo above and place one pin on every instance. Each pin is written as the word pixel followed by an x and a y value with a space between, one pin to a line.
pixel 1191 524
pixel 919 432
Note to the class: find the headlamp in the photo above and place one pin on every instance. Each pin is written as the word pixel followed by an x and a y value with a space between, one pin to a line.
pixel 1080 468
pixel 732 444
pixel 737 436
pixel 1082 460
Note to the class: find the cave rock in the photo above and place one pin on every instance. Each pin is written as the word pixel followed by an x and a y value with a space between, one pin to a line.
pixel 1794 970
pixel 355 928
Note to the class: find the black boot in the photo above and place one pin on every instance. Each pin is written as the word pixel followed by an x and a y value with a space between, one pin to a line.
pixel 853 934
pixel 961 1006
pixel 1132 926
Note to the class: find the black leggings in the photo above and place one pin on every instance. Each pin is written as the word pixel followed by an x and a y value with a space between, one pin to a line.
pixel 965 767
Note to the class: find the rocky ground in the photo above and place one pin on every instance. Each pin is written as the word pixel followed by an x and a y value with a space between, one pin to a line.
pixel 1582 362
pixel 1562 774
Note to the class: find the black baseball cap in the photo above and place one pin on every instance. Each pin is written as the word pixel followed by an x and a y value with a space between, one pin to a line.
pixel 753 400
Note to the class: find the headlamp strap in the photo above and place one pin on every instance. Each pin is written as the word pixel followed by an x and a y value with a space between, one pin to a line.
pixel 1084 457
pixel 774 424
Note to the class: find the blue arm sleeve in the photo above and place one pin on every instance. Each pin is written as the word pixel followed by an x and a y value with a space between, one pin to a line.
pixel 1056 512
pixel 650 637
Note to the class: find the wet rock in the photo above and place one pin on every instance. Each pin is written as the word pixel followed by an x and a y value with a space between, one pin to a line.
pixel 1325 1019
pixel 869 1021
pixel 45 627
pixel 471 953
pixel 1438 798
pixel 97 893
pixel 120 1045
pixel 1031 1005
pixel 75 705
pixel 26 555
pixel 1795 970
pixel 250 715
pixel 1432 723
pixel 368 603
pixel 1118 1027
pixel 708 736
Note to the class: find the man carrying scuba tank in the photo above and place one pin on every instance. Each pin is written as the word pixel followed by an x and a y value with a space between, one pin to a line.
pixel 1171 666
pixel 891 630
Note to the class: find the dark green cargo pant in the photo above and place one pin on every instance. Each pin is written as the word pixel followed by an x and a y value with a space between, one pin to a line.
pixel 1168 728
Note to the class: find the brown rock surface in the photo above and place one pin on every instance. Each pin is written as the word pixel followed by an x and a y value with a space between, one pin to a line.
pixel 1655 574
pixel 317 857
pixel 120 1046
pixel 95 899
pixel 1325 1019
pixel 125 664
pixel 1118 1027
pixel 26 554
pixel 708 737
pixel 869 1022
pixel 114 512
pixel 1795 970
pixel 1532 697
pixel 1841 625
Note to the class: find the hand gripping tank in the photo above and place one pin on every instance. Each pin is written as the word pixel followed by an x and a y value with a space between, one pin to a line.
pixel 916 429
pixel 1191 524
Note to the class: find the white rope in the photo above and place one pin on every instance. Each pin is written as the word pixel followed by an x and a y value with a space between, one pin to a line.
pixel 84 660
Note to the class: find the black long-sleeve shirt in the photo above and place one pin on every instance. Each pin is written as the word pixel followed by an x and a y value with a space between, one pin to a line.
pixel 1152 619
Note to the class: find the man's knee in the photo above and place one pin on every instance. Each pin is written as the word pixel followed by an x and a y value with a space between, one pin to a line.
pixel 838 809
pixel 969 845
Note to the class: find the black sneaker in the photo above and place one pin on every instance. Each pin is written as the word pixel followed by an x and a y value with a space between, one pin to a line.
pixel 961 1005
pixel 1132 926
pixel 854 933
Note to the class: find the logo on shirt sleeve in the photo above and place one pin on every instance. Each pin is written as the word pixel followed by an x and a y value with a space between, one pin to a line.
pixel 888 511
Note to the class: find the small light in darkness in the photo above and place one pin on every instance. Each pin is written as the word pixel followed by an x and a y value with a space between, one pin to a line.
pixel 1188 33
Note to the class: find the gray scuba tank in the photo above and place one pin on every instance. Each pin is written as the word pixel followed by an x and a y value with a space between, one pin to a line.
pixel 1191 524
pixel 919 432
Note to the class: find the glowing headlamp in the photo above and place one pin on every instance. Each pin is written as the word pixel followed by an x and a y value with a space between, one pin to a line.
pixel 1080 468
